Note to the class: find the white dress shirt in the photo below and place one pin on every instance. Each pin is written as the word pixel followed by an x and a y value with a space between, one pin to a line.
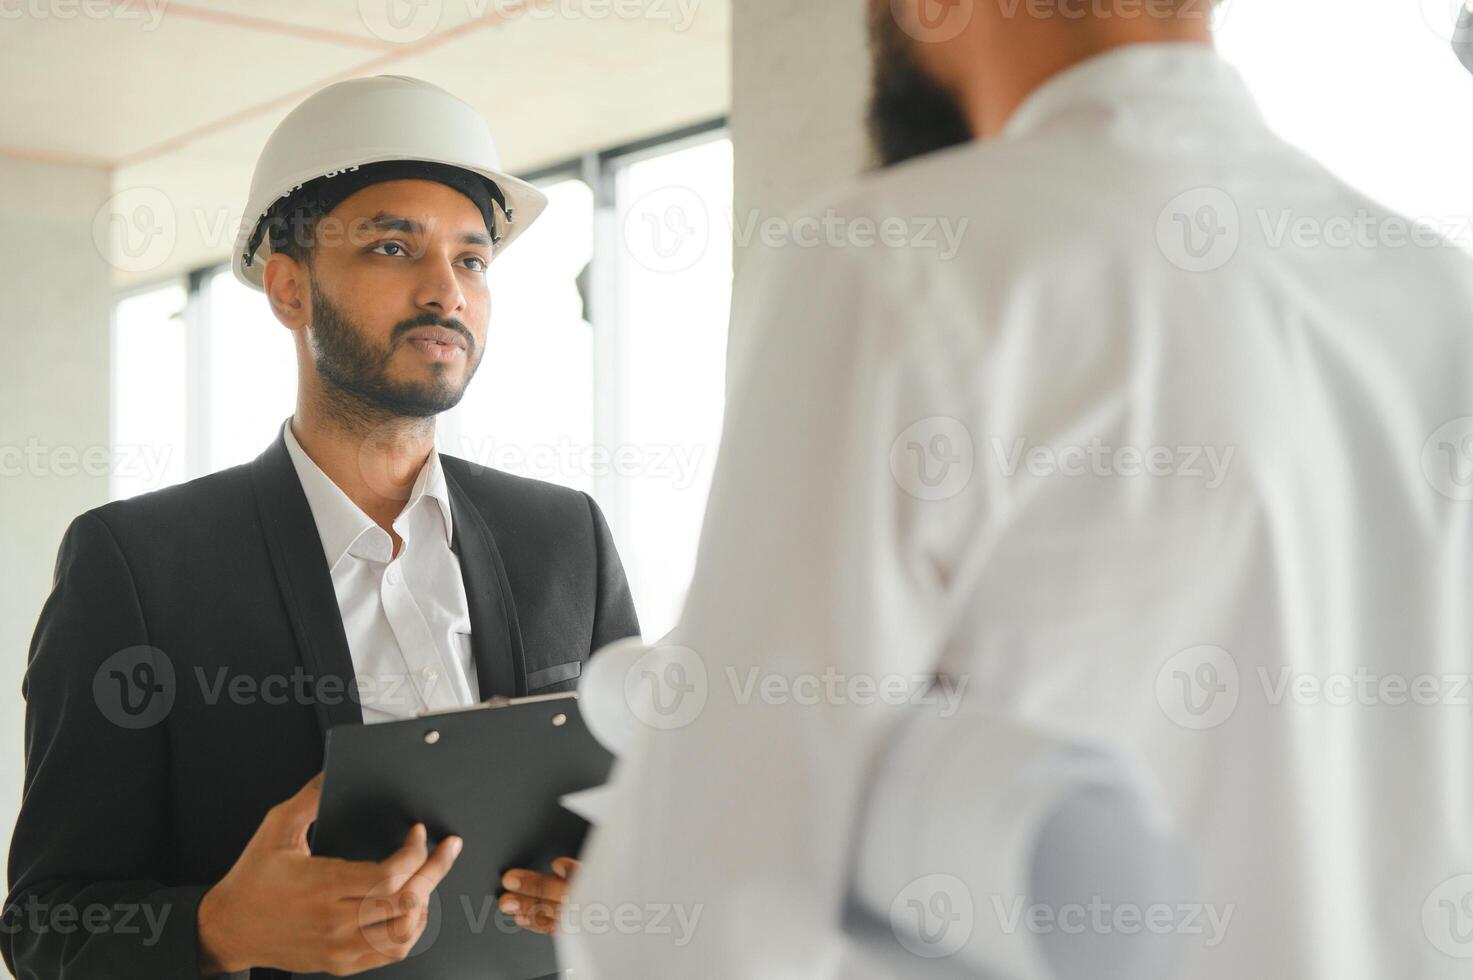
pixel 406 617
pixel 1169 454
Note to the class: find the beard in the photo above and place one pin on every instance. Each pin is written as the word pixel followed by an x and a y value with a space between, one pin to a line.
pixel 910 113
pixel 360 370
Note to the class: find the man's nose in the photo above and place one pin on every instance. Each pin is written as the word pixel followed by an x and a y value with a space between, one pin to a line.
pixel 439 289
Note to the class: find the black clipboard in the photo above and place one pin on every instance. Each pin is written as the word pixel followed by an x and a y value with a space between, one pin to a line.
pixel 492 773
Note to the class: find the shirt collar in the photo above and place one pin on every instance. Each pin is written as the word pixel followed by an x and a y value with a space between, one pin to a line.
pixel 340 522
pixel 1190 74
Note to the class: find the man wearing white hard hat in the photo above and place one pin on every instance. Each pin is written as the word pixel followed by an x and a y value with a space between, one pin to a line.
pixel 199 641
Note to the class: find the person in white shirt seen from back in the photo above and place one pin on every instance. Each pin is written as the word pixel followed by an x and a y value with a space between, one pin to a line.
pixel 1123 464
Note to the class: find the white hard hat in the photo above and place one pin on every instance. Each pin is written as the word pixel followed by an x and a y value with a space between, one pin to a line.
pixel 1463 35
pixel 372 120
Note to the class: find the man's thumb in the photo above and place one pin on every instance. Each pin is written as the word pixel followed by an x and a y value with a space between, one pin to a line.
pixel 291 818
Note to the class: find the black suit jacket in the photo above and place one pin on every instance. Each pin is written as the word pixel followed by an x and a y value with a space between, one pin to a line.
pixel 188 664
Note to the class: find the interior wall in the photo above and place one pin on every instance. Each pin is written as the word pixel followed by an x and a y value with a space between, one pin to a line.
pixel 54 405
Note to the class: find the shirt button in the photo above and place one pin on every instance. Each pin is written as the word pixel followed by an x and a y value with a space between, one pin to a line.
pixel 429 673
pixel 393 576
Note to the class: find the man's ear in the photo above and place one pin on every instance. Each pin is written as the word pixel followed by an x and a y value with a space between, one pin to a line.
pixel 285 280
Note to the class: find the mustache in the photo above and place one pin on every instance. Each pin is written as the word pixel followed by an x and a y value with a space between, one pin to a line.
pixel 430 320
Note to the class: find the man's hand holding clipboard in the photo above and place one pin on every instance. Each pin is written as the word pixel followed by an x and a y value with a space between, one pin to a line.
pixel 535 900
pixel 424 856
pixel 281 906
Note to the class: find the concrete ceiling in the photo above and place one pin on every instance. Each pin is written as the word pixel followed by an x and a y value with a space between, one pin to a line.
pixel 177 98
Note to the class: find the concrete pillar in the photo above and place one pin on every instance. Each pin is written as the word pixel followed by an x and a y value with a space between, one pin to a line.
pixel 800 80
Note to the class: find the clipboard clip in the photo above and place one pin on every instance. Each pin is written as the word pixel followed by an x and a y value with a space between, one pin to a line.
pixel 499 701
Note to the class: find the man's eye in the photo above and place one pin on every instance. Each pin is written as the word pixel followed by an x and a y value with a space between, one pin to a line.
pixel 476 258
pixel 390 245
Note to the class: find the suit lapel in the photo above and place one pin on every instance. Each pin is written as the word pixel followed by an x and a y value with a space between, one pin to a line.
pixel 306 585
pixel 496 638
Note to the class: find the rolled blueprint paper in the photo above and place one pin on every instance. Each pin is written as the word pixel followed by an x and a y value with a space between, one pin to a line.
pixel 1011 853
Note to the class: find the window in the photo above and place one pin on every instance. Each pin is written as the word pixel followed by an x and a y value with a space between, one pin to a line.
pixel 671 302
pixel 529 410
pixel 149 399
pixel 249 373
pixel 1375 95
pixel 603 370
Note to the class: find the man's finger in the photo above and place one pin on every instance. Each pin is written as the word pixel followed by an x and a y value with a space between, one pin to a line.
pixel 385 940
pixel 290 818
pixel 534 884
pixel 355 880
pixel 413 853
pixel 412 896
pixel 565 867
pixel 541 917
pixel 416 891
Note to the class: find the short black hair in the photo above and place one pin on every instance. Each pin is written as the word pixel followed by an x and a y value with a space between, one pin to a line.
pixel 291 225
